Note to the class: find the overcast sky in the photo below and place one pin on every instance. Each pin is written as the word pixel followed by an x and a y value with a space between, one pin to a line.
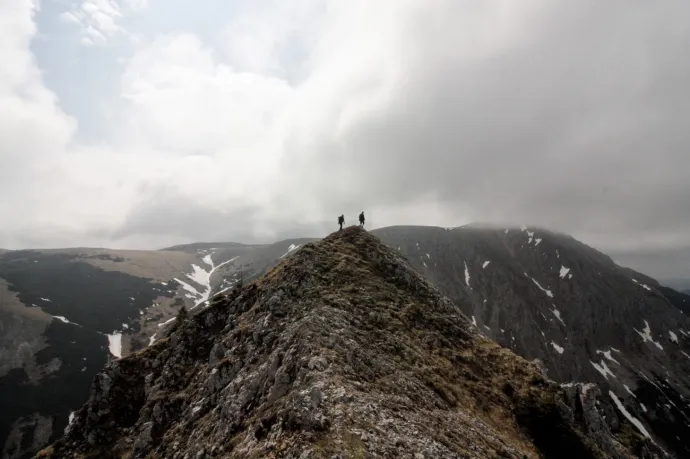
pixel 144 123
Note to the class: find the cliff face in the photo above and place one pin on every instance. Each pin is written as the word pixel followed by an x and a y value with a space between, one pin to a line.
pixel 340 351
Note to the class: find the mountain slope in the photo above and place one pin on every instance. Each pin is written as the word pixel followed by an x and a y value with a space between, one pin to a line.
pixel 341 351
pixel 64 313
pixel 547 296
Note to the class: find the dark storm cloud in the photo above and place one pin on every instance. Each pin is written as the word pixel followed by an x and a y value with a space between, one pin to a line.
pixel 577 119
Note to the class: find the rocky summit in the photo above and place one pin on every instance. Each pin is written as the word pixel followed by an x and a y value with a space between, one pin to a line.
pixel 340 351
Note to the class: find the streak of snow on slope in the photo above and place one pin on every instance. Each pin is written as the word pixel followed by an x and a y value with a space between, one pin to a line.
pixel 166 322
pixel 46 300
pixel 292 248
pixel 673 336
pixel 152 339
pixel 467 275
pixel 530 235
pixel 486 263
pixel 564 271
pixel 69 420
pixel 207 292
pixel 428 256
pixel 644 408
pixel 424 264
pixel 537 241
pixel 115 344
pixel 557 313
pixel 194 292
pixel 603 369
pixel 608 355
pixel 634 421
pixel 646 335
pixel 474 321
pixel 646 287
pixel 558 348
pixel 686 355
pixel 547 291
pixel 629 391
pixel 62 318
pixel 200 275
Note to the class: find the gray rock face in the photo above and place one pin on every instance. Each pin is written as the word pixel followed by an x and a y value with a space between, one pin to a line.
pixel 343 350
pixel 549 297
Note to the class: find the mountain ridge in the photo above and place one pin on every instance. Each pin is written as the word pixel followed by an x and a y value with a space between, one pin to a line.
pixel 499 278
pixel 342 349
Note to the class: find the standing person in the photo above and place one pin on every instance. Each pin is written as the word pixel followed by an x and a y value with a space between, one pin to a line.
pixel 341 221
pixel 361 219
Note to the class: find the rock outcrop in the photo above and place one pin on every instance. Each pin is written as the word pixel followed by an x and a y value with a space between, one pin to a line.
pixel 340 351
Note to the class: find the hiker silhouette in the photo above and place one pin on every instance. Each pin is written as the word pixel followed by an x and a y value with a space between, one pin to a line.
pixel 361 219
pixel 341 221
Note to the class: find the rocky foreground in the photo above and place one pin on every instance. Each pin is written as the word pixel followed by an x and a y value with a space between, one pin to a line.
pixel 341 351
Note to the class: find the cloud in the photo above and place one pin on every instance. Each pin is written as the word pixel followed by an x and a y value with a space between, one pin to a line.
pixel 99 20
pixel 279 117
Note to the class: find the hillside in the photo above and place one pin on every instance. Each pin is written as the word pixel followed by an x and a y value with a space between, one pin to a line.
pixel 342 350
pixel 549 297
pixel 544 295
pixel 64 313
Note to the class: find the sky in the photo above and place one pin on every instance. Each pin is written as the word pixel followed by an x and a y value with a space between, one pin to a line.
pixel 147 123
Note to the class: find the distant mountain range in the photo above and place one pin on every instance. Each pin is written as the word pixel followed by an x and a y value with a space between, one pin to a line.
pixel 544 295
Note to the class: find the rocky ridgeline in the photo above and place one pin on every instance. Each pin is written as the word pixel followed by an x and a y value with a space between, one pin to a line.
pixel 341 351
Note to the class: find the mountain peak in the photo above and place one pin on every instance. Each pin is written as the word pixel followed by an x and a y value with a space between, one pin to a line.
pixel 342 350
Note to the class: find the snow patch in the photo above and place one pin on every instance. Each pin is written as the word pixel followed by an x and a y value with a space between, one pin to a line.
pixel 428 256
pixel 603 369
pixel 629 391
pixel 474 321
pixel 646 287
pixel 646 335
pixel 192 291
pixel 46 300
pixel 557 313
pixel 115 344
pixel 547 291
pixel 558 348
pixel 166 322
pixel 634 421
pixel 292 248
pixel 487 328
pixel 564 272
pixel 686 355
pixel 199 275
pixel 486 263
pixel 203 277
pixel 62 318
pixel 537 241
pixel 644 408
pixel 152 339
pixel 673 336
pixel 208 260
pixel 467 275
pixel 70 419
pixel 424 264
pixel 125 326
pixel 608 355
pixel 570 276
